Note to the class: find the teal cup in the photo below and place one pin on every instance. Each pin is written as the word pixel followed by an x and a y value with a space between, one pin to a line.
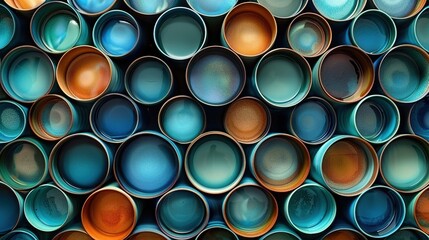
pixel 20 233
pixel 216 231
pixel 284 9
pixel 281 232
pixel 147 231
pixel 117 34
pixel 179 33
pixel 13 120
pixel 403 73
pixel 80 163
pixel 147 164
pixel 73 232
pixel 8 25
pixel 417 210
pixel 47 208
pixel 310 209
pixel 282 78
pixel 11 208
pixel 347 165
pixel 417 32
pixel 27 74
pixel 418 119
pixel 408 233
pixel 211 86
pixel 352 83
pixel 404 163
pixel 24 163
pixel 92 8
pixel 342 230
pixel 182 213
pixel 339 11
pixel 148 80
pixel 151 8
pixel 378 212
pixel 375 118
pixel 212 8
pixel 182 119
pixel 57 27
pixel 223 154
pixel 250 210
pixel 373 31
pixel 399 10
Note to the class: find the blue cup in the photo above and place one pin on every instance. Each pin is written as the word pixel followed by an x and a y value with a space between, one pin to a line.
pixel 182 213
pixel 418 119
pixel 150 8
pixel 8 24
pixel 212 8
pixel 341 230
pixel 73 232
pixel 375 118
pixel 211 86
pixel 147 231
pixel 11 208
pixel 216 231
pixel 47 208
pixel 310 208
pixel 399 10
pixel 179 33
pixel 403 73
pixel 20 233
pixel 13 120
pixel 24 163
pixel 404 163
pixel 282 78
pixel 57 27
pixel 284 9
pixel 147 164
pixel 117 34
pixel 182 119
pixel 27 74
pixel 378 212
pixel 115 117
pixel 416 33
pixel 225 157
pixel 92 8
pixel 313 121
pixel 281 232
pixel 148 80
pixel 408 233
pixel 339 11
pixel 80 163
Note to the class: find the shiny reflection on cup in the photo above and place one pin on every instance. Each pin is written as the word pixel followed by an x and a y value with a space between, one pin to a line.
pixel 84 73
pixel 11 208
pixel 13 120
pixel 347 165
pixel 115 117
pixel 403 73
pixel 250 210
pixel 341 231
pixel 80 163
pixel 404 163
pixel 313 121
pixel 179 33
pixel 216 231
pixel 282 78
pixel 27 74
pixel 150 8
pixel 339 11
pixel 280 162
pixel 208 84
pixel 182 213
pixel 281 232
pixel 53 117
pixel 349 85
pixel 147 231
pixel 92 8
pixel 8 24
pixel 75 232
pixel 147 164
pixel 24 5
pixel 225 157
pixel 47 208
pixel 109 213
pixel 249 29
pixel 408 233
pixel 212 8
pixel 373 31
pixel 23 164
pixel 399 10
pixel 247 120
pixel 284 9
pixel 417 32
pixel 378 212
pixel 182 119
pixel 309 34
pixel 418 119
pixel 375 118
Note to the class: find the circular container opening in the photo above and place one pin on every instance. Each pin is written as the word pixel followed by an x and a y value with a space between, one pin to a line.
pixel 339 10
pixel 12 121
pixel 10 208
pixel 8 26
pixel 150 7
pixel 212 8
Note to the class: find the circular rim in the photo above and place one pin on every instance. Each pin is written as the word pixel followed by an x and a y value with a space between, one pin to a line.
pixel 360 5
pixel 20 201
pixel 25 11
pixel 419 6
pixel 13 17
pixel 147 13
pixel 303 5
pixel 95 14
pixel 414 26
pixel 23 112
pixel 209 15
pixel 216 226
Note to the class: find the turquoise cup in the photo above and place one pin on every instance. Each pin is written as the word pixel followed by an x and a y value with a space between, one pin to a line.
pixel 216 231
pixel 8 25
pixel 404 163
pixel 73 232
pixel 92 8
pixel 13 120
pixel 403 73
pixel 378 212
pixel 182 119
pixel 281 232
pixel 284 9
pixel 80 163
pixel 57 27
pixel 24 163
pixel 342 230
pixel 147 231
pixel 147 164
pixel 117 34
pixel 225 157
pixel 282 78
pixel 150 8
pixel 417 32
pixel 182 213
pixel 399 10
pixel 339 11
pixel 310 208
pixel 179 33
pixel 212 8
pixel 11 208
pixel 408 233
pixel 347 165
pixel 208 84
pixel 375 118
pixel 47 208
pixel 20 233
pixel 417 210
pixel 27 74
pixel 148 80
pixel 418 119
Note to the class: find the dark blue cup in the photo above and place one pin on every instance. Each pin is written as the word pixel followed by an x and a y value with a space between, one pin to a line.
pixel 20 233
pixel 418 119
pixel 8 24
pixel 11 208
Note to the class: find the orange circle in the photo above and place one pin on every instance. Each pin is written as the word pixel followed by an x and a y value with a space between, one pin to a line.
pixel 343 234
pixel 24 4
pixel 421 212
pixel 147 235
pixel 72 235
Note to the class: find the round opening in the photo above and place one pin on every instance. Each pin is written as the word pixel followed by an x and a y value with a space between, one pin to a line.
pixel 212 8
pixel 91 8
pixel 342 10
pixel 10 208
pixel 421 211
pixel 284 9
pixel 398 9
pixel 419 119
pixel 150 7
pixel 8 26
pixel 421 31
pixel 12 121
